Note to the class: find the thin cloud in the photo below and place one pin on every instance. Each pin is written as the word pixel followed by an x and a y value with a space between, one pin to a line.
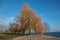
pixel 7 20
pixel 56 29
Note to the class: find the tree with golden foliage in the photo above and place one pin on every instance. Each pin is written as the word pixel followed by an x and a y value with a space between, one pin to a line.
pixel 28 20
pixel 37 25
pixel 26 16
pixel 15 27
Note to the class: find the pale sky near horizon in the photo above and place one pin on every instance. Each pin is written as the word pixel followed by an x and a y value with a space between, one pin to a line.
pixel 48 10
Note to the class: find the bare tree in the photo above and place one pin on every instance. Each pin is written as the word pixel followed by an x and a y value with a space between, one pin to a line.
pixel 12 27
pixel 47 26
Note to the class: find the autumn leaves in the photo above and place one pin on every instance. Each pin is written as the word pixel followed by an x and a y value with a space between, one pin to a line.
pixel 27 20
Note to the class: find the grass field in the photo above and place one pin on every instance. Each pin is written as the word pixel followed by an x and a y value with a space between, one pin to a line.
pixel 9 35
pixel 6 36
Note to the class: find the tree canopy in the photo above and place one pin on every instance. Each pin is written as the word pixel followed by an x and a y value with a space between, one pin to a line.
pixel 28 20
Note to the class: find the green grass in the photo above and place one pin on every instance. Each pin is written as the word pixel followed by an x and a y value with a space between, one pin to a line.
pixel 9 35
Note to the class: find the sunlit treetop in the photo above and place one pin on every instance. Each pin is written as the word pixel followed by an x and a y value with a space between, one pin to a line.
pixel 26 7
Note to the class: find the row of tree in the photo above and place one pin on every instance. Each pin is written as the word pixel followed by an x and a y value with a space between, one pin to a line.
pixel 27 20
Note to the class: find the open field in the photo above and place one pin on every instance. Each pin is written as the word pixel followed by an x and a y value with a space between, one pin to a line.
pixel 9 35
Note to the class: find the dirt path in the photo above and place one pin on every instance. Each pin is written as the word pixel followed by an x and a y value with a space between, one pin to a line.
pixel 36 37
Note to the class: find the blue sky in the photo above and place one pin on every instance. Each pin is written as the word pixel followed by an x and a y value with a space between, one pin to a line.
pixel 48 10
